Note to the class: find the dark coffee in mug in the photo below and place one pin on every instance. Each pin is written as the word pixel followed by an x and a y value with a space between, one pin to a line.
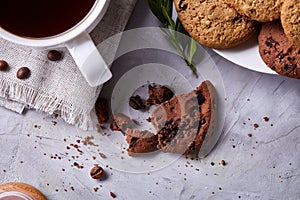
pixel 42 18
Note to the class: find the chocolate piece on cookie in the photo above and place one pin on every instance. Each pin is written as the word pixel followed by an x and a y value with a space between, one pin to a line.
pixel 259 10
pixel 140 142
pixel 290 19
pixel 158 94
pixel 184 121
pixel 277 51
pixel 213 23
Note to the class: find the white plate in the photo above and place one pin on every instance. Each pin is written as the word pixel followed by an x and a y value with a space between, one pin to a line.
pixel 246 55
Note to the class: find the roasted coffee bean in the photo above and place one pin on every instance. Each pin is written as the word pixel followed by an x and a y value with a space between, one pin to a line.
pixel 96 172
pixel 3 65
pixel 136 103
pixel 23 72
pixel 54 55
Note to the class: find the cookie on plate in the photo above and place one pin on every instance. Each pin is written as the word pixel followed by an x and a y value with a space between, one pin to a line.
pixel 277 51
pixel 259 10
pixel 290 19
pixel 214 23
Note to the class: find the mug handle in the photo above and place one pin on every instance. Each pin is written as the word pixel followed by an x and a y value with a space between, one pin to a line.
pixel 88 59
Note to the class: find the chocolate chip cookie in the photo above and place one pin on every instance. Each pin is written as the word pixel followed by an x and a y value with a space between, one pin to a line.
pixel 213 23
pixel 290 19
pixel 280 54
pixel 259 10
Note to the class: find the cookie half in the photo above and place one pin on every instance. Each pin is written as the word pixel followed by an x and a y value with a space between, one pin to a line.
pixel 259 10
pixel 214 23
pixel 290 19
pixel 277 51
pixel 186 120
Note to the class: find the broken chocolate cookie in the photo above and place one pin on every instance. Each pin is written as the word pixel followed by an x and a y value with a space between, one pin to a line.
pixel 183 121
pixel 140 142
pixel 158 94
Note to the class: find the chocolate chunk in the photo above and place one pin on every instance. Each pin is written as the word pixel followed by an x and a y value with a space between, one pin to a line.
pixel 158 94
pixel 182 6
pixel 200 97
pixel 3 65
pixel 54 55
pixel 290 67
pixel 96 172
pixel 101 108
pixel 270 41
pixel 23 73
pixel 136 103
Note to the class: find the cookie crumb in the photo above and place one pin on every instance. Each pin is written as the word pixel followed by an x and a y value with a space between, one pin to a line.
pixel 255 126
pixel 102 155
pixel 148 119
pixel 88 141
pixel 112 195
pixel 222 162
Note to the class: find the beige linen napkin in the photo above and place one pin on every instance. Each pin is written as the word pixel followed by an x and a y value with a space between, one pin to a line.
pixel 57 87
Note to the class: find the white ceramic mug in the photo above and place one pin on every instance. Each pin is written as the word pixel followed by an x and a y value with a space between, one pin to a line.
pixel 78 42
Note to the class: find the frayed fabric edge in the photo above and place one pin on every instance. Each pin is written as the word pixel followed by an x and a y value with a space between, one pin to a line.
pixel 81 118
